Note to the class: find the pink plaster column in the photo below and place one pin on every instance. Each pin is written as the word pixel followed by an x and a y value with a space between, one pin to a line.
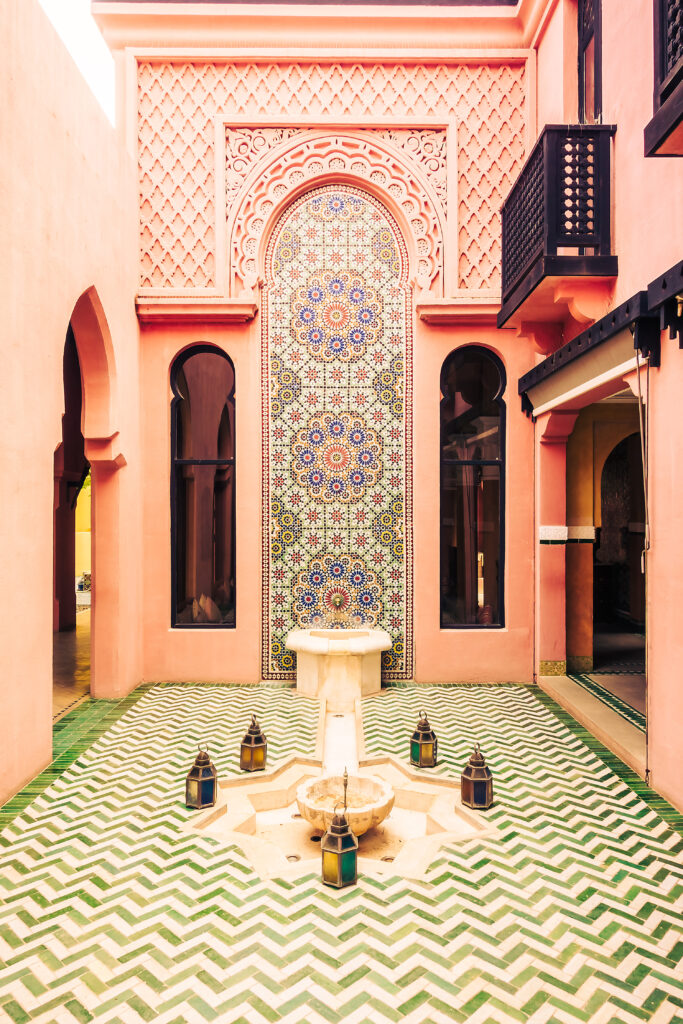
pixel 107 618
pixel 552 432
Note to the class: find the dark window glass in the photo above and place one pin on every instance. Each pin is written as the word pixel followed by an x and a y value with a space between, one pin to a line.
pixel 203 488
pixel 590 58
pixel 472 477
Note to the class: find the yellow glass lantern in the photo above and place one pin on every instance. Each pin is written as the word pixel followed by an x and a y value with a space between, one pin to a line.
pixel 253 749
pixel 476 782
pixel 201 784
pixel 423 744
pixel 339 852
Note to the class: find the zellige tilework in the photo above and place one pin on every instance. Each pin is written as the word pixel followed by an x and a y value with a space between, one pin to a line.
pixel 110 912
pixel 337 382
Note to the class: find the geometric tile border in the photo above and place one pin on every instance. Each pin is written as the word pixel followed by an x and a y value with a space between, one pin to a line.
pixel 636 718
pixel 110 912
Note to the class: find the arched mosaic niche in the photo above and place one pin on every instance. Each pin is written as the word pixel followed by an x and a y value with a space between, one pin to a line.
pixel 337 400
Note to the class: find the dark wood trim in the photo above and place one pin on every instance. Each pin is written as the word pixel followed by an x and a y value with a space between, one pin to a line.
pixel 556 266
pixel 664 122
pixel 634 311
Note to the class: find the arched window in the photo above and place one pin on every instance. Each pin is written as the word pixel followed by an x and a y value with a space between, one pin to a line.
pixel 203 488
pixel 472 503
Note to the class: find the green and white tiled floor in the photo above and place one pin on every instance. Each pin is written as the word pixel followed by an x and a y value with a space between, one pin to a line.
pixel 108 912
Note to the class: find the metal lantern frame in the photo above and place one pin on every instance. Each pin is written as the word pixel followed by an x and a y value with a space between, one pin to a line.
pixel 476 782
pixel 201 784
pixel 423 744
pixel 253 748
pixel 339 850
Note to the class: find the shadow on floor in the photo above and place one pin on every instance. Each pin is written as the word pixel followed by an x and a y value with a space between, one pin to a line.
pixel 71 665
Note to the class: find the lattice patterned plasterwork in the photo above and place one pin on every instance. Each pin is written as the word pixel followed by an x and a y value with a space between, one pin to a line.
pixel 179 101
pixel 490 157
pixel 314 156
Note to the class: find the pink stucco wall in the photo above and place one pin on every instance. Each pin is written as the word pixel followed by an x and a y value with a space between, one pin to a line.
pixel 431 126
pixel 664 579
pixel 67 210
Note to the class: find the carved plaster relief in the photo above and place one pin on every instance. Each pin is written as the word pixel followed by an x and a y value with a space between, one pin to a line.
pixel 179 102
pixel 427 146
pixel 310 156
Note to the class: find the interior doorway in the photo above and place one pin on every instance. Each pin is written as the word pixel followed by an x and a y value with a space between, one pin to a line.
pixel 618 579
pixel 72 580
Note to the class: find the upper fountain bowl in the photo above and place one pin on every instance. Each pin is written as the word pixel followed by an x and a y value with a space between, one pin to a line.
pixel 340 665
pixel 369 801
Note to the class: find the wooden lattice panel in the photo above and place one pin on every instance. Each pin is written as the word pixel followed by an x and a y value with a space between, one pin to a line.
pixel 178 102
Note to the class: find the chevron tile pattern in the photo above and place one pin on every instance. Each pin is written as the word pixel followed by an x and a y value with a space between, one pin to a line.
pixel 108 912
pixel 588 682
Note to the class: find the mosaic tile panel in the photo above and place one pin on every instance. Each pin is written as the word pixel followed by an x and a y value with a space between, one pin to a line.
pixel 337 449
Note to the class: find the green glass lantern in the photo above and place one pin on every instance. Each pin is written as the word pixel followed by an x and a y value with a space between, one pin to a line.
pixel 476 782
pixel 201 785
pixel 423 744
pixel 339 852
pixel 253 749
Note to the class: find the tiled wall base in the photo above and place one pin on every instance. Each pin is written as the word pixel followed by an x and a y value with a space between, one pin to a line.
pixel 552 668
pixel 109 912
pixel 579 663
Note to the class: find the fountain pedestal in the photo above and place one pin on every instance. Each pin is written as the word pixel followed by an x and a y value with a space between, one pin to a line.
pixel 338 665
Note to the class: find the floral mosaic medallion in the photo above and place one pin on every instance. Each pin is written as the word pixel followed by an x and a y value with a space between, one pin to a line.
pixel 337 365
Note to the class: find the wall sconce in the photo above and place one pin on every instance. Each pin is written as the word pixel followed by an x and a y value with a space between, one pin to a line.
pixel 476 782
pixel 253 748
pixel 423 744
pixel 201 784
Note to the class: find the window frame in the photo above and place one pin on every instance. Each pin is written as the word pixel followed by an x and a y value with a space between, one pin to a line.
pixel 501 463
pixel 176 366
pixel 584 39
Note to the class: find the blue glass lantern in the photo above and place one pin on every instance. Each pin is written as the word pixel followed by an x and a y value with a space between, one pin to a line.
pixel 201 785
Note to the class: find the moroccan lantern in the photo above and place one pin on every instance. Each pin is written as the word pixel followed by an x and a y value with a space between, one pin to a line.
pixel 423 744
pixel 339 852
pixel 201 785
pixel 253 748
pixel 476 782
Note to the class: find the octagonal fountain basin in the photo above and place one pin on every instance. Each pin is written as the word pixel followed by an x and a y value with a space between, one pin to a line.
pixel 368 801
pixel 339 665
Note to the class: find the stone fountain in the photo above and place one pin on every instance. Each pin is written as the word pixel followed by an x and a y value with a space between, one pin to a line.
pixel 338 662
pixel 367 801
pixel 404 816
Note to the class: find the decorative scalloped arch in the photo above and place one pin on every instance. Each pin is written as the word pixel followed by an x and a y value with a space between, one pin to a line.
pixel 303 163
